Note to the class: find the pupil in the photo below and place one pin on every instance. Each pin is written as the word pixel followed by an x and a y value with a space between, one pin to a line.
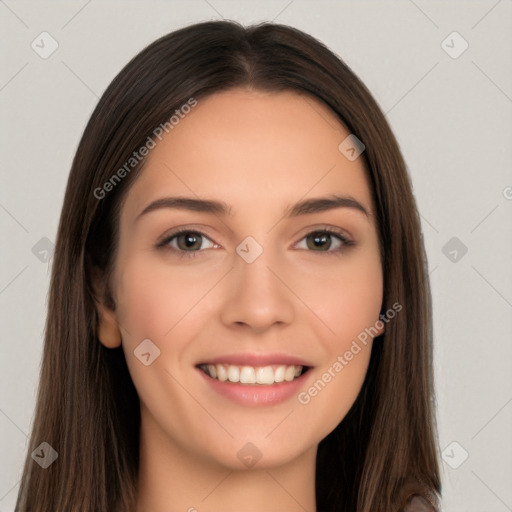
pixel 321 239
pixel 190 240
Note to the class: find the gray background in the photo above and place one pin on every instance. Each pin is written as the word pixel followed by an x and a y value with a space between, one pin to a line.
pixel 452 117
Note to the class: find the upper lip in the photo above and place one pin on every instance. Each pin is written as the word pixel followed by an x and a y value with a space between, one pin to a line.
pixel 256 359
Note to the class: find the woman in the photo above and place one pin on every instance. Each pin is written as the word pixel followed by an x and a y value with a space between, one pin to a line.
pixel 239 313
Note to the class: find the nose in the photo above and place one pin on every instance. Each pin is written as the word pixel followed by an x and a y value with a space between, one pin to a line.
pixel 258 296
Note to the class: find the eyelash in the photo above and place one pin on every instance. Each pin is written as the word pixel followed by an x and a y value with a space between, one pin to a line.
pixel 346 242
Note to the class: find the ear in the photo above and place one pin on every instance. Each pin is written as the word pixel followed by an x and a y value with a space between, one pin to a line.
pixel 108 328
pixel 380 325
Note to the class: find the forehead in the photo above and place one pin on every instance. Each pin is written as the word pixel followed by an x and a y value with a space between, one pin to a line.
pixel 253 148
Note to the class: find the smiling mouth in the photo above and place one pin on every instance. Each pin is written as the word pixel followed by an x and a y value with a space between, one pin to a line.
pixel 263 375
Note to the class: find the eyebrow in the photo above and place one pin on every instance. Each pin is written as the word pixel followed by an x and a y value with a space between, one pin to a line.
pixel 307 206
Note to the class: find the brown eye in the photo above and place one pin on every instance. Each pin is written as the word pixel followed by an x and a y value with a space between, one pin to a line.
pixel 319 240
pixel 187 241
pixel 325 240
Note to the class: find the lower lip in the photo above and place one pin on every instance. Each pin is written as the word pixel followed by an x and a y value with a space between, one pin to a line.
pixel 256 394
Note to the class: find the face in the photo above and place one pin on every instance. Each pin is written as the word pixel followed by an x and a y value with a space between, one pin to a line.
pixel 269 272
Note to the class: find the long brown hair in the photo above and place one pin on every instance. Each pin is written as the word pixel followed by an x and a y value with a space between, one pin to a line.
pixel 385 449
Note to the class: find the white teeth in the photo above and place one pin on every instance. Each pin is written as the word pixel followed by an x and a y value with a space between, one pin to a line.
pixel 234 374
pixel 212 370
pixel 279 373
pixel 222 374
pixel 247 375
pixel 265 375
pixel 289 375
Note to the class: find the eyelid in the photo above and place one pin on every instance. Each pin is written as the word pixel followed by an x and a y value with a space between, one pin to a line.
pixel 342 233
pixel 165 239
pixel 164 243
pixel 344 238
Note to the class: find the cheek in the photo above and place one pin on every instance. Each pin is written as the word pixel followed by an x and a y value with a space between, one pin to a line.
pixel 359 300
pixel 332 393
pixel 156 302
pixel 348 301
pixel 347 297
pixel 153 298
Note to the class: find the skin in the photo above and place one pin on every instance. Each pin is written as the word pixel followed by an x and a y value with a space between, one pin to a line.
pixel 260 153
